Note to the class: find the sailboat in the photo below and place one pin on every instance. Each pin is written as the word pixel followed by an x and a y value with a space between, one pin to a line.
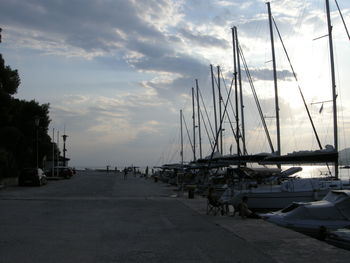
pixel 277 196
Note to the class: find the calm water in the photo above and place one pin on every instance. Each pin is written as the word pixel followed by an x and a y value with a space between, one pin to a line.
pixel 316 171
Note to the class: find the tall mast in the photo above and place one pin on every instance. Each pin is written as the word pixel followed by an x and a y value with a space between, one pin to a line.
pixel 53 151
pixel 334 92
pixel 220 110
pixel 182 140
pixel 194 127
pixel 275 82
pixel 214 102
pixel 236 90
pixel 199 122
pixel 240 91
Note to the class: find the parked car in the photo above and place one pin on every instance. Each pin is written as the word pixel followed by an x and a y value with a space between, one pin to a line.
pixel 33 176
pixel 61 171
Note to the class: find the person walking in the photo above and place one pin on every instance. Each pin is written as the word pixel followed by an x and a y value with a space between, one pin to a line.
pixel 125 173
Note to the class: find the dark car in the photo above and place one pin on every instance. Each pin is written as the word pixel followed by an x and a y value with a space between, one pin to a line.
pixel 32 176
pixel 60 171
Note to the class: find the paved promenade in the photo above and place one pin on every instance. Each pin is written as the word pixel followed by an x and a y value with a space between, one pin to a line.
pixel 99 217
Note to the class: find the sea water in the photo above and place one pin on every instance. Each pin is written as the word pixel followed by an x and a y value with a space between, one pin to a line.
pixel 320 170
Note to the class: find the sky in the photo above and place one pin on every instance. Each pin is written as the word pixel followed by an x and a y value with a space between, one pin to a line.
pixel 117 72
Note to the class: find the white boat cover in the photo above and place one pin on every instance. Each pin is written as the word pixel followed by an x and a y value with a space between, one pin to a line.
pixel 334 206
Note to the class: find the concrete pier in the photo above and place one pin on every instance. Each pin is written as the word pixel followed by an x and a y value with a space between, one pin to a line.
pixel 100 217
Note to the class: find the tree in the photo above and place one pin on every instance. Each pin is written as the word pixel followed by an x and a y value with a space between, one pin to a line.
pixel 18 132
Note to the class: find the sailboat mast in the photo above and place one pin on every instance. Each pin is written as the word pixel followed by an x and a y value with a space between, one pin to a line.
pixel 214 102
pixel 240 91
pixel 182 140
pixel 199 122
pixel 236 90
pixel 194 127
pixel 220 109
pixel 334 92
pixel 53 151
pixel 275 81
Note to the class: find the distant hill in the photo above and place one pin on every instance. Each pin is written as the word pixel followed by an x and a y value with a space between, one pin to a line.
pixel 344 156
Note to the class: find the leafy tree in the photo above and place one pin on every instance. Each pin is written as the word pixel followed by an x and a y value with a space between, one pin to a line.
pixel 9 79
pixel 18 131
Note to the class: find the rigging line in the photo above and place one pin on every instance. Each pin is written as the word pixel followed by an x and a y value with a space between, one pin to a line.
pixel 257 102
pixel 300 91
pixel 342 18
pixel 233 131
pixel 188 134
pixel 170 152
pixel 233 111
pixel 206 113
pixel 205 125
pixel 172 157
pixel 234 115
pixel 163 154
pixel 221 120
pixel 206 129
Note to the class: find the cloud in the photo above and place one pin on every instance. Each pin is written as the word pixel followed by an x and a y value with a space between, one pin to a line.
pixel 267 74
pixel 202 39
pixel 99 26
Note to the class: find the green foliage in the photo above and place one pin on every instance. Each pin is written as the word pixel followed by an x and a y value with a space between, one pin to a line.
pixel 9 79
pixel 18 131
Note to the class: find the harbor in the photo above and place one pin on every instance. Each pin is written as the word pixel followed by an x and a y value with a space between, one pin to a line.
pixel 103 217
pixel 192 132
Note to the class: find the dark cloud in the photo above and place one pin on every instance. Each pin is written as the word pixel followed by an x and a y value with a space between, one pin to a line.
pixel 90 25
pixel 267 74
pixel 187 68
pixel 203 40
pixel 152 49
pixel 184 65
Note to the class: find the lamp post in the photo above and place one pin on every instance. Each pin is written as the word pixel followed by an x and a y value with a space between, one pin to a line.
pixel 37 121
pixel 64 136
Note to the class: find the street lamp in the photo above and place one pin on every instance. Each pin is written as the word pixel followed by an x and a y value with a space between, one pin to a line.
pixel 37 121
pixel 64 136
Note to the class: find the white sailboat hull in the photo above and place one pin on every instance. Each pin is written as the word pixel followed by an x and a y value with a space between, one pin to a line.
pixel 276 199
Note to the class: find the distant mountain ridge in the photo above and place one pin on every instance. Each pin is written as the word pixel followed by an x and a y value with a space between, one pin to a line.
pixel 344 156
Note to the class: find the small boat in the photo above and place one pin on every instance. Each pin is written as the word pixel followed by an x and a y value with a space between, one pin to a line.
pixel 315 218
